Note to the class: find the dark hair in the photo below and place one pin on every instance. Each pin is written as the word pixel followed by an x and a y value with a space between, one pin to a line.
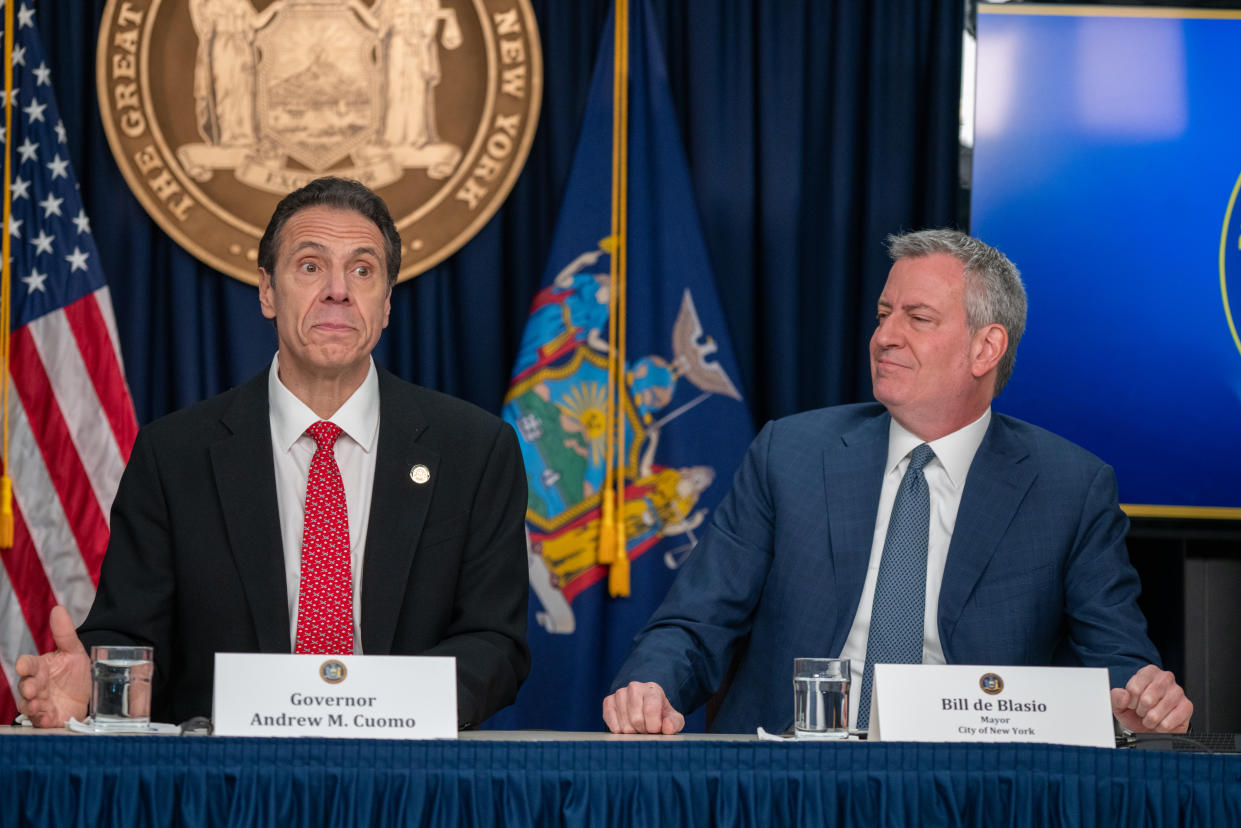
pixel 343 194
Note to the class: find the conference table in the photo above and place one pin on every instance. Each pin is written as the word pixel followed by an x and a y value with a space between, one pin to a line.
pixel 544 778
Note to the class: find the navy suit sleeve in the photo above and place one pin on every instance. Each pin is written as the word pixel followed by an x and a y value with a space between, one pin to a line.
pixel 688 644
pixel 1105 626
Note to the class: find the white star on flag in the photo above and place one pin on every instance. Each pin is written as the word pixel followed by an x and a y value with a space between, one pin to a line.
pixel 51 205
pixel 76 260
pixel 82 222
pixel 43 242
pixel 27 150
pixel 20 188
pixel 35 281
pixel 34 111
pixel 58 168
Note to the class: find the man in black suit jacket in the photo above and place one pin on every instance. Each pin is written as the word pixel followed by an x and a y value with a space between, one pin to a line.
pixel 197 562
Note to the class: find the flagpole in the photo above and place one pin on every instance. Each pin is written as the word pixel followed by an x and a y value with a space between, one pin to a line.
pixel 616 546
pixel 606 554
pixel 607 520
pixel 6 312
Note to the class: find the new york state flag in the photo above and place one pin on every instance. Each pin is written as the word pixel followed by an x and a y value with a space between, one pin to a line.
pixel 625 393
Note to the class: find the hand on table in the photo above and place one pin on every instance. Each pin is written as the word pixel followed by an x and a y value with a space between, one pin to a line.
pixel 55 686
pixel 641 707
pixel 1152 702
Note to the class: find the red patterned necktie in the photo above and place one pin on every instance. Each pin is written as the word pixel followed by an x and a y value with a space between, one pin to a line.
pixel 325 594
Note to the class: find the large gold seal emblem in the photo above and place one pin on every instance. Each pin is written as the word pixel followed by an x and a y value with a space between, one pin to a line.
pixel 215 109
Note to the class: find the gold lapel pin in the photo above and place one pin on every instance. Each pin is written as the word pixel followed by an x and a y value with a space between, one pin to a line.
pixel 420 474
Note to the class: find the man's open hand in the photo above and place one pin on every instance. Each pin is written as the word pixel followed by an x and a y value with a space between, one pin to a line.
pixel 55 686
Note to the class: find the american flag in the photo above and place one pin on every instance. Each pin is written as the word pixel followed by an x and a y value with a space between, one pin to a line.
pixel 71 421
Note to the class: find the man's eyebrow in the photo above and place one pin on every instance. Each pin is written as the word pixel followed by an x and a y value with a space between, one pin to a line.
pixel 313 245
pixel 319 247
pixel 911 307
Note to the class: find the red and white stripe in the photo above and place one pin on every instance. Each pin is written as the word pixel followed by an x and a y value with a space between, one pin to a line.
pixel 71 428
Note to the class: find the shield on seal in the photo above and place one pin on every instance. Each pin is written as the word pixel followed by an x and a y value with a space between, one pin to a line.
pixel 318 83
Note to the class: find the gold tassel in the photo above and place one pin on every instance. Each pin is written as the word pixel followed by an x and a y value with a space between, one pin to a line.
pixel 607 530
pixel 618 578
pixel 618 574
pixel 6 512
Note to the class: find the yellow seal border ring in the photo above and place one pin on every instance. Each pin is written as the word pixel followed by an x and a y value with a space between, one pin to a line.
pixel 333 671
pixel 1223 250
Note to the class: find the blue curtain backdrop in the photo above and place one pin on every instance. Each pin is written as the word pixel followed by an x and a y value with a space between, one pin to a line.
pixel 813 128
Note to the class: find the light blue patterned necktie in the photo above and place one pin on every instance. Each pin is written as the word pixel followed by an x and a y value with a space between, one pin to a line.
pixel 900 591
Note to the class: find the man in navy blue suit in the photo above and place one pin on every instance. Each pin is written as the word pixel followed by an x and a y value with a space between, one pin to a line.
pixel 1025 552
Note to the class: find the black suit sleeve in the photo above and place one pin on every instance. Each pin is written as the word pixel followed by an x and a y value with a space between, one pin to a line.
pixel 487 630
pixel 136 584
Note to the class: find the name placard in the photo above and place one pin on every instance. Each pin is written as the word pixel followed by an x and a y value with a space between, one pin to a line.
pixel 961 703
pixel 353 697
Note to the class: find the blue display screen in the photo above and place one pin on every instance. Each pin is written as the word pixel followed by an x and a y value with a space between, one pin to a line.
pixel 1107 159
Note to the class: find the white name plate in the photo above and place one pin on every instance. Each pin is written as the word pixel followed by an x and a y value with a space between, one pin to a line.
pixel 349 697
pixel 960 703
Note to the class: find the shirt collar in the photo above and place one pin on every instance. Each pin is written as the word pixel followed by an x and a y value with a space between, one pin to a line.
pixel 954 451
pixel 290 417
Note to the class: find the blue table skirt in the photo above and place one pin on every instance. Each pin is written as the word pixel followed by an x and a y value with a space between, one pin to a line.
pixel 132 781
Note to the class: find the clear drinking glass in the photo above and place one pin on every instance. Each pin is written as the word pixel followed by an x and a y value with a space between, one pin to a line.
pixel 120 695
pixel 821 697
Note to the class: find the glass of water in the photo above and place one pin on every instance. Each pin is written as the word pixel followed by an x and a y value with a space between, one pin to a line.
pixel 120 693
pixel 821 697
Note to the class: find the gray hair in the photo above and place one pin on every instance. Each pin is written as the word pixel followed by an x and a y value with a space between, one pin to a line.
pixel 994 294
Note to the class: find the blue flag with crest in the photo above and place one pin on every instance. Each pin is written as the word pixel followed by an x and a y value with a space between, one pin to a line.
pixel 625 393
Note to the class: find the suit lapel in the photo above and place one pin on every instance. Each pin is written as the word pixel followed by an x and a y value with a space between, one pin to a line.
pixel 852 478
pixel 245 478
pixel 398 511
pixel 998 480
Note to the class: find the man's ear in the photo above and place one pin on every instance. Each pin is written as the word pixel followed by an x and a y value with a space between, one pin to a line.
pixel 266 299
pixel 987 349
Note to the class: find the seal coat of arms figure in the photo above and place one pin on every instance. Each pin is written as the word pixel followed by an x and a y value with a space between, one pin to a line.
pixel 433 103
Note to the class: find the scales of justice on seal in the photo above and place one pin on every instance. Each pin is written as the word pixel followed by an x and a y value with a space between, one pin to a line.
pixel 215 109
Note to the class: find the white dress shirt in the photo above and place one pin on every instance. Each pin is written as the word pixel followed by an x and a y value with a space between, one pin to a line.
pixel 292 450
pixel 945 478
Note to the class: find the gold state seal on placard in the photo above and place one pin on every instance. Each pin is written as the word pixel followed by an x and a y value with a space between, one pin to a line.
pixel 333 671
pixel 215 109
